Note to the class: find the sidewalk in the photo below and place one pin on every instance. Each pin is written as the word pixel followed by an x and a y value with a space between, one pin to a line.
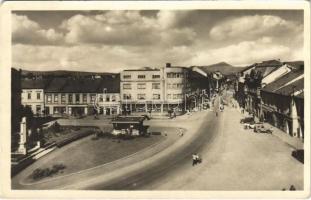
pixel 294 142
pixel 238 159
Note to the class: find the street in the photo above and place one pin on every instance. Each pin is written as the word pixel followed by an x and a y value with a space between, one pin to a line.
pixel 233 159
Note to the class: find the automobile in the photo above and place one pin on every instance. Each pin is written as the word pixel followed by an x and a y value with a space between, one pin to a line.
pixel 299 155
pixel 247 120
pixel 251 125
pixel 261 128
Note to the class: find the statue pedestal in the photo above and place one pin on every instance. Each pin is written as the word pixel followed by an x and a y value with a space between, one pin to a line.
pixel 22 149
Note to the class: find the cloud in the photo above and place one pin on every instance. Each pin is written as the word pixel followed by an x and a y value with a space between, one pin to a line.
pixel 246 52
pixel 127 28
pixel 250 27
pixel 98 58
pixel 115 40
pixel 26 31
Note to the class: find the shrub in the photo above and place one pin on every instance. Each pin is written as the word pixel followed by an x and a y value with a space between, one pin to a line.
pixel 42 173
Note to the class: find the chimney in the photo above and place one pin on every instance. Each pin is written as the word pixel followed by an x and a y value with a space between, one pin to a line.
pixel 168 65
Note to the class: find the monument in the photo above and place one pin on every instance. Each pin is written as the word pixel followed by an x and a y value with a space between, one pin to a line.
pixel 23 137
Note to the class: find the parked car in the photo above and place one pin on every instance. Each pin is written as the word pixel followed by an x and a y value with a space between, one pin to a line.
pixel 247 120
pixel 299 155
pixel 251 125
pixel 261 128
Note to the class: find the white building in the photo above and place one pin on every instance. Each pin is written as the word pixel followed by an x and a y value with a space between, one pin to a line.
pixel 33 94
pixel 153 89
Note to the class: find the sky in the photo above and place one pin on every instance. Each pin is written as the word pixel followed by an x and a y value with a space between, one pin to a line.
pixel 110 41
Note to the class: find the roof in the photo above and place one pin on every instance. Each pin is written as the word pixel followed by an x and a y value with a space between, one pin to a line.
pixel 85 85
pixel 269 63
pixel 128 119
pixel 82 86
pixel 283 80
pixel 301 95
pixel 56 85
pixel 296 64
pixel 291 88
pixel 143 69
pixel 34 83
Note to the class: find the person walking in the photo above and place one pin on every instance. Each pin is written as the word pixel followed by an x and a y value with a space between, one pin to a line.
pixel 194 159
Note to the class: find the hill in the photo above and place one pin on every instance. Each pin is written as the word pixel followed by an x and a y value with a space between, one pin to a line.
pixel 63 73
pixel 222 67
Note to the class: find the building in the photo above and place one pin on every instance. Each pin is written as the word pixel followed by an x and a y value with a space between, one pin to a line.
pixel 33 94
pixel 82 96
pixel 283 102
pixel 155 90
pixel 109 102
pixel 250 83
pixel 16 114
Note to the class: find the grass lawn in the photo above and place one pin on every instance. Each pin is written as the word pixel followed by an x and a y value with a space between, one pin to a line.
pixel 88 153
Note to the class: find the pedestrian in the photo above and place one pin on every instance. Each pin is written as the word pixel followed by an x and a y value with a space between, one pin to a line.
pixel 198 160
pixel 180 132
pixel 194 159
pixel 292 188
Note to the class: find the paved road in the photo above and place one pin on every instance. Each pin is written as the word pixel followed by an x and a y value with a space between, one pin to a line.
pixel 169 163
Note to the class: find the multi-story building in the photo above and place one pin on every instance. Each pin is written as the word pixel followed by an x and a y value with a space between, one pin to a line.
pixel 33 94
pixel 72 96
pixel 154 89
pixel 282 102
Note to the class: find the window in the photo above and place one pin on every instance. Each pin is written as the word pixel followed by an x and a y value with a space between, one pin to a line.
pixel 101 98
pixel 38 95
pixel 49 98
pixel 155 85
pixel 155 76
pixel 38 109
pixel 107 98
pixel 141 76
pixel 141 86
pixel 175 86
pixel 55 98
pixel 169 96
pixel 77 98
pixel 156 96
pixel 177 96
pixel 84 98
pixel 170 75
pixel 127 86
pixel 29 95
pixel 141 96
pixel 70 98
pixel 169 86
pixel 127 96
pixel 93 96
pixel 179 85
pixel 113 98
pixel 175 75
pixel 127 76
pixel 63 98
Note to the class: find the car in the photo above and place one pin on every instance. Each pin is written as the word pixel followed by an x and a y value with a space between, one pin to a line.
pixel 247 120
pixel 299 155
pixel 261 128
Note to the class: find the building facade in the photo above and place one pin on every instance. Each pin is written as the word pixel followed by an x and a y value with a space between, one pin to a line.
pixel 153 90
pixel 82 96
pixel 283 104
pixel 33 95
